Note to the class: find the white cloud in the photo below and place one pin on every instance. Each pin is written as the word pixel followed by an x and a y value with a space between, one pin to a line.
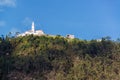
pixel 2 23
pixel 8 3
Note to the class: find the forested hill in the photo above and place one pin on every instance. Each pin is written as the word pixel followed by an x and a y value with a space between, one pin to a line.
pixel 57 58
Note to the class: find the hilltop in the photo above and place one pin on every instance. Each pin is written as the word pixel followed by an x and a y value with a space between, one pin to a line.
pixel 58 58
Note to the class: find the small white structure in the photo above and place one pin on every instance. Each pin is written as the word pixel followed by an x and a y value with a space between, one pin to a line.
pixel 32 31
pixel 99 40
pixel 70 36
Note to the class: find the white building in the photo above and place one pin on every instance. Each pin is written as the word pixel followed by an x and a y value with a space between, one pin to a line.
pixel 40 33
pixel 99 40
pixel 70 36
pixel 33 31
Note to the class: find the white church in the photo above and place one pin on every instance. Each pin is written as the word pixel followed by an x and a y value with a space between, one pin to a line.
pixel 33 31
pixel 39 32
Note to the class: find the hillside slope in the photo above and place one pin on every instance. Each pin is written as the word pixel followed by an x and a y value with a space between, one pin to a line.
pixel 57 58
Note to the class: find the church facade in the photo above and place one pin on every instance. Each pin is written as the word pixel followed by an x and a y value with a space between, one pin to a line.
pixel 33 31
pixel 40 33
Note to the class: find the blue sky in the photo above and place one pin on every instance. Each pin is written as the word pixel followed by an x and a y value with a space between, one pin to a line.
pixel 86 19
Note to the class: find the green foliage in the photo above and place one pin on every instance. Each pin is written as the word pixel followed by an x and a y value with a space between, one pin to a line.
pixel 58 58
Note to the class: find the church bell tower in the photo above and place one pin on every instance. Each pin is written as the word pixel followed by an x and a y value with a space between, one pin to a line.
pixel 33 27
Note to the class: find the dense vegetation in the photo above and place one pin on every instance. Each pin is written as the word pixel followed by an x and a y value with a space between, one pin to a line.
pixel 57 58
